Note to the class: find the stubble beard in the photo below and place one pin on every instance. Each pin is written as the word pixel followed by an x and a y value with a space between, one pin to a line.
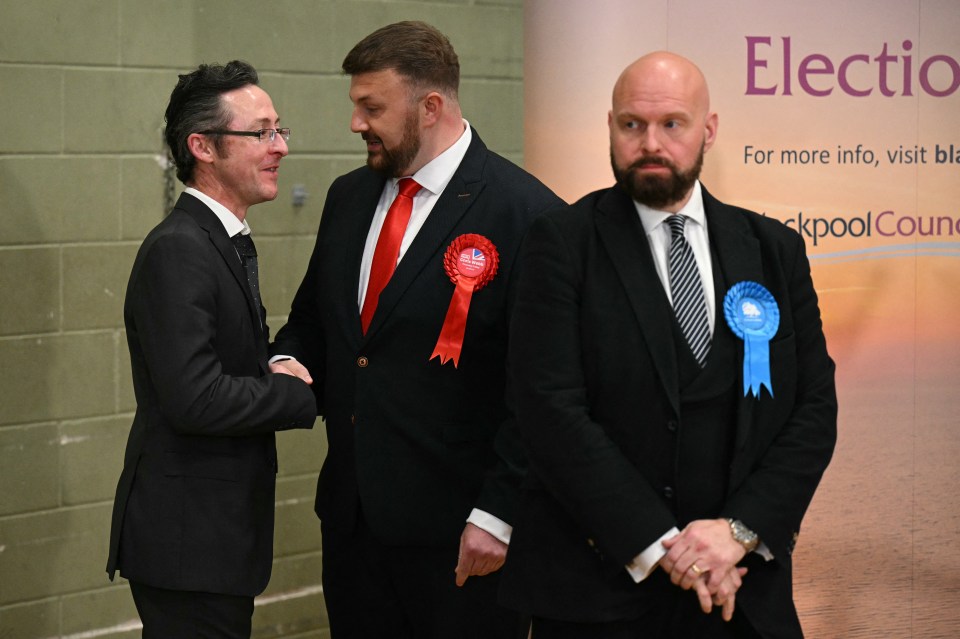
pixel 394 162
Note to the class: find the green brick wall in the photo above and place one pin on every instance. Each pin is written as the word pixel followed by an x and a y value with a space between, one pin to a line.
pixel 83 86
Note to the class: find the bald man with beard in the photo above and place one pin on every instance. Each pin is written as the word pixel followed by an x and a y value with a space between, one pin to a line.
pixel 670 466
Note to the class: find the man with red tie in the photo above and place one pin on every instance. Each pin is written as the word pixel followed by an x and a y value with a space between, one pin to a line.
pixel 402 321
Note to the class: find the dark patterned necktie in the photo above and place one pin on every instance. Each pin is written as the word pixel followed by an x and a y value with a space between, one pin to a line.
pixel 248 255
pixel 686 288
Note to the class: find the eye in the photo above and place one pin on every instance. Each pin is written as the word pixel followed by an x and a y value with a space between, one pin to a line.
pixel 631 124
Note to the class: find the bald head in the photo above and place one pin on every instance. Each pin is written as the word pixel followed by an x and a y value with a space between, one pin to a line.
pixel 662 75
pixel 660 127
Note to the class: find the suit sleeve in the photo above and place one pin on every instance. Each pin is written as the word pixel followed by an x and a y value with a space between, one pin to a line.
pixel 189 336
pixel 302 337
pixel 789 460
pixel 570 453
pixel 502 487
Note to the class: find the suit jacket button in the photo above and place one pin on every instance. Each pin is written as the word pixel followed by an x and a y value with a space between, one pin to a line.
pixel 668 492
pixel 362 362
pixel 672 426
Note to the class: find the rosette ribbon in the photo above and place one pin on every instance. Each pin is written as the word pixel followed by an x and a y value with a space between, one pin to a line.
pixel 753 316
pixel 470 262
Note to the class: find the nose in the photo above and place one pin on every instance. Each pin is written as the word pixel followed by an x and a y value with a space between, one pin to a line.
pixel 280 145
pixel 650 140
pixel 357 123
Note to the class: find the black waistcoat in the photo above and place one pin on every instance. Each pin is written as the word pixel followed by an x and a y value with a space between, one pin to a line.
pixel 707 423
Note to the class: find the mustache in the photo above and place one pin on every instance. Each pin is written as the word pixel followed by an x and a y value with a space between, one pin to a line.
pixel 651 161
pixel 369 137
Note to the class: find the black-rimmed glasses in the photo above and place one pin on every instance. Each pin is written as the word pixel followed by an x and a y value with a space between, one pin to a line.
pixel 262 135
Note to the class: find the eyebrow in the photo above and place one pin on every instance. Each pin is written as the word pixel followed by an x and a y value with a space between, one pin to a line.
pixel 266 122
pixel 366 96
pixel 673 115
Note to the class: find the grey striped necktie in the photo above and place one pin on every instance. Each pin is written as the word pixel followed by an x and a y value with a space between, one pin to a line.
pixel 686 289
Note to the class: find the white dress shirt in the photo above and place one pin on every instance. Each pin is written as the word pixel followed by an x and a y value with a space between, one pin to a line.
pixel 433 177
pixel 230 221
pixel 695 231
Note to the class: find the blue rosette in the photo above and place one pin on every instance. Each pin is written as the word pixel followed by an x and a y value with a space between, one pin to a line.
pixel 753 316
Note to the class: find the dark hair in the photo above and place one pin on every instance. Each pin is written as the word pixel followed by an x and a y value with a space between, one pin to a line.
pixel 415 50
pixel 195 106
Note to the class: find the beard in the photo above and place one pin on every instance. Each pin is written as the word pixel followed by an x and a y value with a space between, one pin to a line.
pixel 394 162
pixel 653 190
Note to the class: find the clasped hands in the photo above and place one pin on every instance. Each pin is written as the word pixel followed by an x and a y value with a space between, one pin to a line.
pixel 291 367
pixel 704 557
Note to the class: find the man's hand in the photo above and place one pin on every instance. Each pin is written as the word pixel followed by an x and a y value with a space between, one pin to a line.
pixel 726 594
pixel 704 557
pixel 291 367
pixel 705 545
pixel 480 554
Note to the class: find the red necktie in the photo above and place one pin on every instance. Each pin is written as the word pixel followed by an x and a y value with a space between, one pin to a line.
pixel 388 247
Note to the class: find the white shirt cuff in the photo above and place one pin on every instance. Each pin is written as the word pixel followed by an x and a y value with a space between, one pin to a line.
pixel 645 563
pixel 493 525
pixel 763 551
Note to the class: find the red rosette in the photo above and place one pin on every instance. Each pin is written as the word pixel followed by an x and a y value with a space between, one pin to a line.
pixel 470 262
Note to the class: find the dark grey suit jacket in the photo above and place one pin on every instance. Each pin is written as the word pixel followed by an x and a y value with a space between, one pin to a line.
pixel 596 378
pixel 195 501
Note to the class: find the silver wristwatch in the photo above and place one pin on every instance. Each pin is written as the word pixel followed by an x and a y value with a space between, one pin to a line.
pixel 743 535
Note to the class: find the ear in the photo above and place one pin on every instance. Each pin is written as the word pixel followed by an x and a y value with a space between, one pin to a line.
pixel 202 148
pixel 710 131
pixel 432 108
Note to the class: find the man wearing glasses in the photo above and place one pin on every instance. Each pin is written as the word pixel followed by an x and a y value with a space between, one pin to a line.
pixel 193 516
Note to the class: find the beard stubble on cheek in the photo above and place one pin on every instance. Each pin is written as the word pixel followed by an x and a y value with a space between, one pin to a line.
pixel 396 162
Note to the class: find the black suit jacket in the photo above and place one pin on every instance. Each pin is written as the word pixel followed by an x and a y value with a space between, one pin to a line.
pixel 597 390
pixel 418 443
pixel 195 501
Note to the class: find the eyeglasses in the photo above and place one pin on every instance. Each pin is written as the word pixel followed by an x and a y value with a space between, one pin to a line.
pixel 262 135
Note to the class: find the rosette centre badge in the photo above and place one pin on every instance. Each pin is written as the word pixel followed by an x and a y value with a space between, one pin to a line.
pixel 753 316
pixel 470 262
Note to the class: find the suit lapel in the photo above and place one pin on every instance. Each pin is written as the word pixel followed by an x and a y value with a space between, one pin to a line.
pixel 356 216
pixel 209 222
pixel 457 198
pixel 738 252
pixel 620 231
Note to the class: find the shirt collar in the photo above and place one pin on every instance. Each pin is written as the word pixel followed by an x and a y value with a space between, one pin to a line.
pixel 231 224
pixel 652 218
pixel 437 173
